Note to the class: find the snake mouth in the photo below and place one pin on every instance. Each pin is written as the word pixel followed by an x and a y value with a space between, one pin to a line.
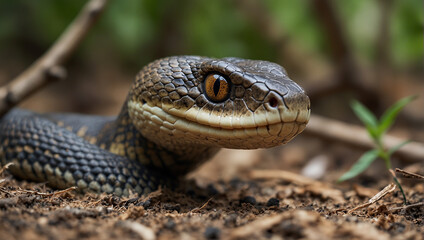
pixel 162 123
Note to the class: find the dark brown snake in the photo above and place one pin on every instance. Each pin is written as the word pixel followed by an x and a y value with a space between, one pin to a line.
pixel 179 112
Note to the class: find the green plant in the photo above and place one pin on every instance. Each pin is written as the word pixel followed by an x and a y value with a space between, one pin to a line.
pixel 376 129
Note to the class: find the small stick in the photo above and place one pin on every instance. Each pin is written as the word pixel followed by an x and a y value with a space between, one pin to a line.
pixel 4 191
pixel 50 66
pixel 50 194
pixel 203 206
pixel 5 167
pixel 141 230
pixel 407 174
pixel 153 194
pixel 407 206
pixel 388 189
pixel 311 185
pixel 255 226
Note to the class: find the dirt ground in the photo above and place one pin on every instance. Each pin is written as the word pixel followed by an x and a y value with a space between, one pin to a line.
pixel 245 203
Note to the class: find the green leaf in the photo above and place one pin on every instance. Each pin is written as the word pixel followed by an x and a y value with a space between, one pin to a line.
pixel 360 166
pixel 366 117
pixel 395 148
pixel 390 114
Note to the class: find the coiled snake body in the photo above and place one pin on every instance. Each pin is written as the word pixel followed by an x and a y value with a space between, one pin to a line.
pixel 179 112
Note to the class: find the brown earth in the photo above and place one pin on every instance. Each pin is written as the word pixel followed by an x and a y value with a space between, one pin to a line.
pixel 258 204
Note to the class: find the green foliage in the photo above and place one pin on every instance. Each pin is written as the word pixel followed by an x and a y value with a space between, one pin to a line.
pixel 397 147
pixel 390 115
pixel 361 165
pixel 214 28
pixel 376 129
pixel 407 32
pixel 367 118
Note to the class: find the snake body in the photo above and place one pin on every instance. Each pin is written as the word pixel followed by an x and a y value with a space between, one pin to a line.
pixel 179 112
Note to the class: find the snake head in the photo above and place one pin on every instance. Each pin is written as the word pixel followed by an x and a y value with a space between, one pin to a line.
pixel 184 101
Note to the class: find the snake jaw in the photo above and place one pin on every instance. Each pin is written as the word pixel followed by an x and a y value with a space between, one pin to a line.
pixel 171 131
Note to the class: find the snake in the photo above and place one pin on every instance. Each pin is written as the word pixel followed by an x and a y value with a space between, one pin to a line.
pixel 179 112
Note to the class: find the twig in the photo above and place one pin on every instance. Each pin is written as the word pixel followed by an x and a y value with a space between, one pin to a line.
pixel 283 175
pixel 142 231
pixel 152 195
pixel 203 206
pixel 407 174
pixel 49 194
pixel 357 136
pixel 407 207
pixel 311 185
pixel 5 167
pixel 256 226
pixel 4 191
pixel 388 189
pixel 50 66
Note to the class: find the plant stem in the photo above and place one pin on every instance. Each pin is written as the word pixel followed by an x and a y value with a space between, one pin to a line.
pixel 401 189
pixel 383 154
pixel 386 157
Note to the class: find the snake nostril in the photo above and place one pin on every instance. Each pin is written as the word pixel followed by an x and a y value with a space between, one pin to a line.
pixel 273 102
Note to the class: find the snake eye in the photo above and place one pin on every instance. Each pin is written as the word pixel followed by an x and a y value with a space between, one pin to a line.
pixel 217 88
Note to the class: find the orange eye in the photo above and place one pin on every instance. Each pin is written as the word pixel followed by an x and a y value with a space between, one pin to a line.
pixel 217 88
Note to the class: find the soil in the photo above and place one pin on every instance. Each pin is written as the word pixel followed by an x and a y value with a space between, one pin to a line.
pixel 257 204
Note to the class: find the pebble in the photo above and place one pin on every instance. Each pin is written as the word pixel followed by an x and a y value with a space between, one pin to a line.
pixel 170 224
pixel 212 233
pixel 212 190
pixel 172 207
pixel 230 220
pixel 273 202
pixel 248 199
pixel 146 204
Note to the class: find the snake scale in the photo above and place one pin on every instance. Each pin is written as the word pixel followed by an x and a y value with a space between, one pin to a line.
pixel 179 112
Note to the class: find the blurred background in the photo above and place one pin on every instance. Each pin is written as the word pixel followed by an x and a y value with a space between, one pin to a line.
pixel 370 50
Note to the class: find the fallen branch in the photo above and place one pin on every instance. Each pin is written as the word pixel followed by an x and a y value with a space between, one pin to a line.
pixel 357 136
pixel 50 66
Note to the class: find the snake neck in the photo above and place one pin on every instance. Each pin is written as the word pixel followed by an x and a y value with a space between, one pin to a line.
pixel 122 138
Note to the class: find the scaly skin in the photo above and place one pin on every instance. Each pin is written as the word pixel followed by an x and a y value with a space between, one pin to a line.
pixel 167 126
